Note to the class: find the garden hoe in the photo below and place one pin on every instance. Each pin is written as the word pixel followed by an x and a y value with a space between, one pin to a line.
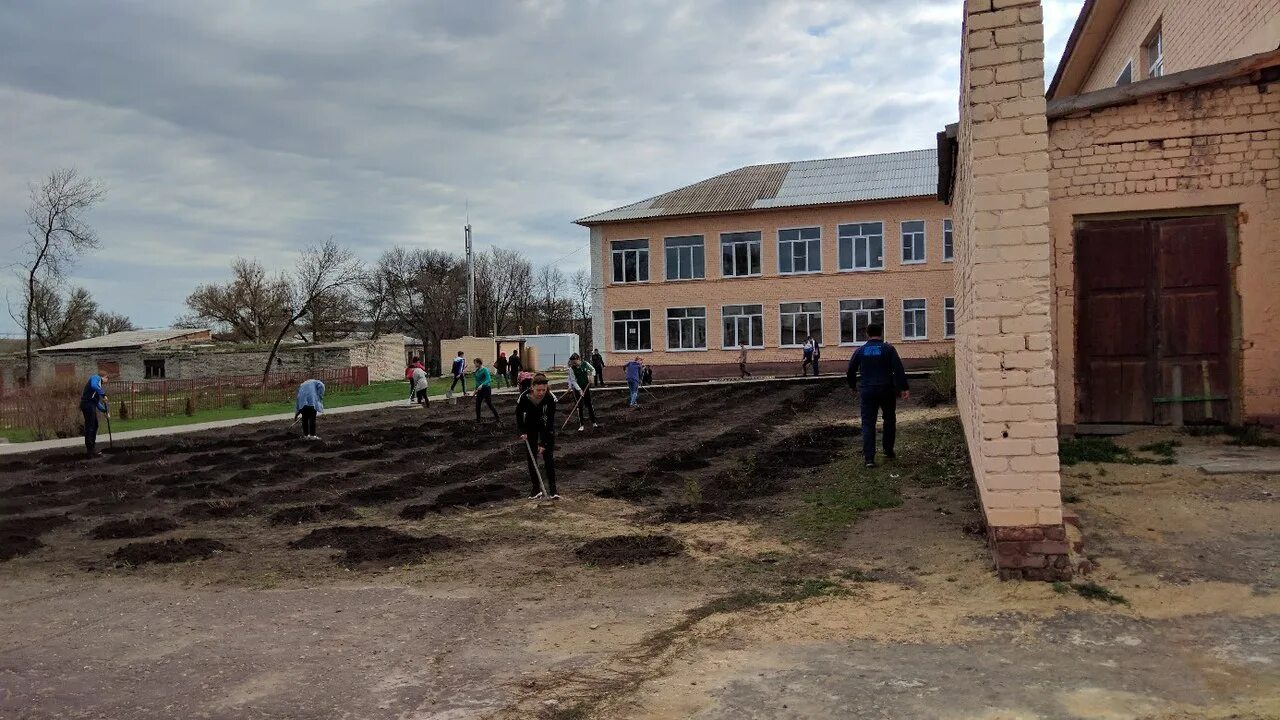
pixel 111 441
pixel 569 417
pixel 534 459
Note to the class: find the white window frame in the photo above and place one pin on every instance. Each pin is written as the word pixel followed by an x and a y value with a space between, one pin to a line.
pixel 924 309
pixel 723 315
pixel 648 266
pixel 1155 68
pixel 808 325
pixel 613 319
pixel 696 273
pixel 693 322
pixel 948 317
pixel 1128 66
pixel 810 243
pixel 853 239
pixel 760 241
pixel 948 240
pixel 860 311
pixel 924 242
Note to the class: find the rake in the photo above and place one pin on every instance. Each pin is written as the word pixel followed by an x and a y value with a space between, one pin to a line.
pixel 534 459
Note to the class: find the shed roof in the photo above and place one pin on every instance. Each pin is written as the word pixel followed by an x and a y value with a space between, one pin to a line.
pixel 127 339
pixel 886 176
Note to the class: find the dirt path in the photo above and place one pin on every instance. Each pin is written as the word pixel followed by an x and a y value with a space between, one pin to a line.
pixel 392 572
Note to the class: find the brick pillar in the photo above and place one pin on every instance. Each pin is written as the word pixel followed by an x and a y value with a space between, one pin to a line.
pixel 1005 367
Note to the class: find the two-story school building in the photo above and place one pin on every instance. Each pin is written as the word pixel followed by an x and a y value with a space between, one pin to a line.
pixel 767 255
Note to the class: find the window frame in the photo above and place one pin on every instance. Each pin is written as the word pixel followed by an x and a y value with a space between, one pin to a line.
pixel 723 315
pixel 695 270
pixel 948 240
pixel 818 241
pixel 924 242
pixel 854 249
pixel 760 240
pixel 855 342
pixel 821 317
pixel 613 319
pixel 648 261
pixel 948 317
pixel 667 327
pixel 924 309
pixel 1154 68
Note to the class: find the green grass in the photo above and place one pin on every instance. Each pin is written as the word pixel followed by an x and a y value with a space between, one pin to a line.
pixel 1246 436
pixel 1094 591
pixel 1074 451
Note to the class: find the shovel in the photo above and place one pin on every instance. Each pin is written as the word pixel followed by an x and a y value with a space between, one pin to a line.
pixel 111 441
pixel 534 459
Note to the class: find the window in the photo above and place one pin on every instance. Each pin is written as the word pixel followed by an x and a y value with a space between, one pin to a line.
pixel 687 328
pixel 1126 75
pixel 686 258
pixel 800 250
pixel 631 330
pixel 630 261
pixel 914 319
pixel 799 321
pixel 861 246
pixel 948 246
pixel 912 242
pixel 740 254
pixel 855 316
pixel 949 317
pixel 1153 53
pixel 153 369
pixel 743 325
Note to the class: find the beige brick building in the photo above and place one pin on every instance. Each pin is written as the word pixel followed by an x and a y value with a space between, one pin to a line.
pixel 765 256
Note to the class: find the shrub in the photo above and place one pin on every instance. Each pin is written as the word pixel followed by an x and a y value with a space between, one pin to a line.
pixel 246 400
pixel 941 387
pixel 51 409
pixel 190 407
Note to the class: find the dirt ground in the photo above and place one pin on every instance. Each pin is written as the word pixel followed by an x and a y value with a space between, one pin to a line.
pixel 719 553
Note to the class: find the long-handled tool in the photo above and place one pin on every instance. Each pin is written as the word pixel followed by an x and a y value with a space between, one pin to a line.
pixel 111 441
pixel 534 459
pixel 569 417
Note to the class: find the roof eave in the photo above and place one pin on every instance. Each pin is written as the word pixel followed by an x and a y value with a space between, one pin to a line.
pixel 583 222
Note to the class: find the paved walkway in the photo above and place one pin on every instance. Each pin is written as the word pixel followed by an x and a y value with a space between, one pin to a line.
pixel 1222 460
pixel 36 446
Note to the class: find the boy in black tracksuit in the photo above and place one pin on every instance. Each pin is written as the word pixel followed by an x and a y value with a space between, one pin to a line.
pixel 536 420
pixel 883 381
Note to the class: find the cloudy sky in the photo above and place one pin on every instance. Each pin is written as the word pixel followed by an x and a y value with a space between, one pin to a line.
pixel 256 128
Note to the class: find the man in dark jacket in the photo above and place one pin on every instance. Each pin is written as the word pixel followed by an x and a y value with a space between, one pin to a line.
pixel 536 421
pixel 93 400
pixel 500 365
pixel 459 371
pixel 597 364
pixel 514 366
pixel 883 381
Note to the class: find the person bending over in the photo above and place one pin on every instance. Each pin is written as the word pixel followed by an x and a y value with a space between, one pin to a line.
pixel 580 376
pixel 536 421
pixel 93 400
pixel 310 403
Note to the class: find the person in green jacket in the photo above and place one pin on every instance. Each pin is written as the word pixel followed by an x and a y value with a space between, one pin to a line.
pixel 484 389
pixel 580 375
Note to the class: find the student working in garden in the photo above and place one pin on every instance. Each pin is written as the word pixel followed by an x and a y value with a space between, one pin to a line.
pixel 580 376
pixel 484 389
pixel 93 400
pixel 310 403
pixel 459 375
pixel 536 421
pixel 884 380
pixel 419 382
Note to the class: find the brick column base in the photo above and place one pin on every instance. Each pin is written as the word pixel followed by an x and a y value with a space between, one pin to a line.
pixel 1031 552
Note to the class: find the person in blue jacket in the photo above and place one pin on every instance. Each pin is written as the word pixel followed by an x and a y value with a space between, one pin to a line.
pixel 633 370
pixel 93 400
pixel 310 403
pixel 883 381
pixel 459 375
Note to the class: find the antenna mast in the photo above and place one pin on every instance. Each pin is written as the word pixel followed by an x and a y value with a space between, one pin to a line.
pixel 471 278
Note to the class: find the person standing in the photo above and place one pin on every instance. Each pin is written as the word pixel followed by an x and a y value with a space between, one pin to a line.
pixel 483 389
pixel 420 383
pixel 459 371
pixel 597 364
pixel 743 373
pixel 310 403
pixel 536 421
pixel 817 355
pixel 633 370
pixel 883 381
pixel 580 375
pixel 93 400
pixel 807 349
pixel 408 377
pixel 500 367
pixel 515 365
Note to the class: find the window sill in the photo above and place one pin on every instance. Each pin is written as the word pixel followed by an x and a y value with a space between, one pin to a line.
pixel 857 270
pixel 915 339
pixel 799 272
pixel 633 282
pixel 735 348
pixel 950 259
pixel 913 262
pixel 626 352
pixel 739 277
pixel 853 344
pixel 684 350
pixel 678 280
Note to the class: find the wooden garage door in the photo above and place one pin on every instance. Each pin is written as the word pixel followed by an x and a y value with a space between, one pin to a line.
pixel 1153 320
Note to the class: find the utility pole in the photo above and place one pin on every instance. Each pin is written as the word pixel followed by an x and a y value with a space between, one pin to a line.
pixel 471 281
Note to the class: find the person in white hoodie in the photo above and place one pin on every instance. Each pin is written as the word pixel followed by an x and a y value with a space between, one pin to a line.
pixel 420 382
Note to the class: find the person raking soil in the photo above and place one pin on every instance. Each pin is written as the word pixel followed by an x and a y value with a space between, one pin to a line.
pixel 483 387
pixel 884 380
pixel 536 421
pixel 310 403
pixel 408 377
pixel 633 371
pixel 93 400
pixel 580 376
pixel 597 364
pixel 419 382
pixel 459 371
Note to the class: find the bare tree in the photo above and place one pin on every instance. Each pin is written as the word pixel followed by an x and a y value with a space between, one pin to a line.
pixel 56 234
pixel 252 307
pixel 321 272
pixel 581 287
pixel 504 284
pixel 105 323
pixel 55 320
pixel 421 292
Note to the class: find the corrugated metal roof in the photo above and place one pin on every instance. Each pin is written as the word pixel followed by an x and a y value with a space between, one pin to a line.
pixel 886 176
pixel 125 339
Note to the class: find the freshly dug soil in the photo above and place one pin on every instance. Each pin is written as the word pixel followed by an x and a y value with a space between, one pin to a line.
pixel 685 513
pixel 629 549
pixel 133 528
pixel 189 477
pixel 12 546
pixel 373 544
pixel 32 488
pixel 199 491
pixel 32 526
pixel 217 509
pixel 299 514
pixel 380 494
pixel 167 551
pixel 472 495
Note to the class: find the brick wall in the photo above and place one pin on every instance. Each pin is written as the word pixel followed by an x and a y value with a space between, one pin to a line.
pixel 1005 371
pixel 1195 33
pixel 1215 146
pixel 931 281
